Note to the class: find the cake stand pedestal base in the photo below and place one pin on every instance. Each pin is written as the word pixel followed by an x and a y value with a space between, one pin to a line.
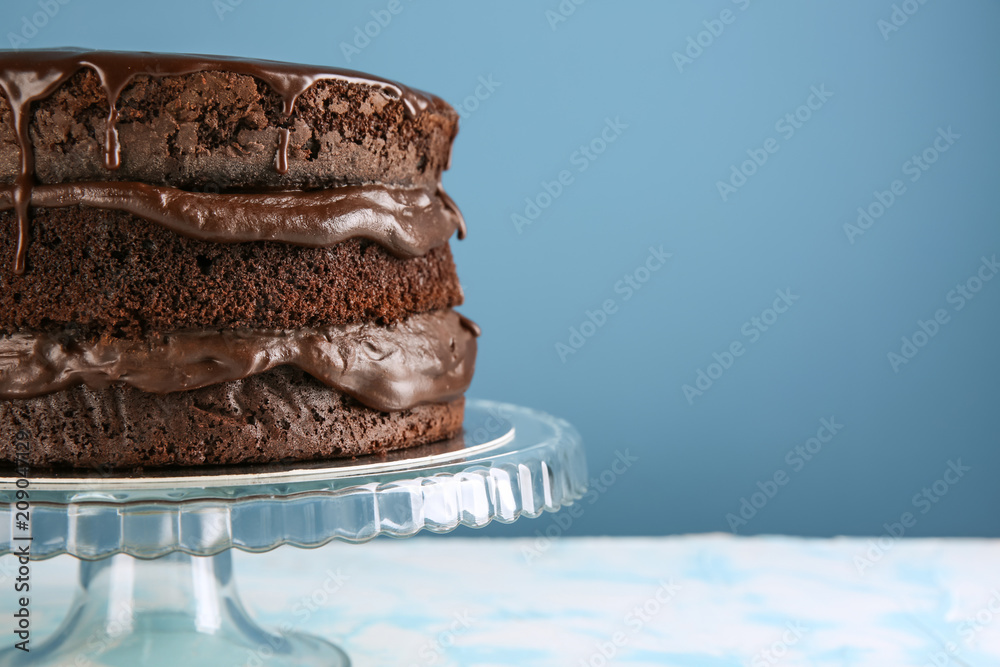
pixel 179 609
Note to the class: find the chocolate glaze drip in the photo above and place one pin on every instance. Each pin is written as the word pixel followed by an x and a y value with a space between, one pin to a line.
pixel 281 159
pixel 473 328
pixel 428 358
pixel 453 207
pixel 33 75
pixel 407 222
pixel 112 149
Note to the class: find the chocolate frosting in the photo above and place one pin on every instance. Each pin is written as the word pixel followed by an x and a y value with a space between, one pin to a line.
pixel 28 76
pixel 407 222
pixel 428 358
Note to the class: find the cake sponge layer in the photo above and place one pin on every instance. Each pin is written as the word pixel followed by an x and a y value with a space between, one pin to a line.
pixel 281 415
pixel 219 130
pixel 107 272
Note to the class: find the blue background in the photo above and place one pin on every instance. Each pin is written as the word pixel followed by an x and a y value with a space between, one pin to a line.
pixel 556 86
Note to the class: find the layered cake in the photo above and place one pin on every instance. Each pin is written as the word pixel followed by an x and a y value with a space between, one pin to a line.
pixel 208 261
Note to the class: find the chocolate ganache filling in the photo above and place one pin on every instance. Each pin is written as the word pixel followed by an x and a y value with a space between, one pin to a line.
pixel 406 222
pixel 428 358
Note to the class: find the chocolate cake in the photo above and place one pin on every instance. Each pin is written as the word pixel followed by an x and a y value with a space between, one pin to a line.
pixel 208 260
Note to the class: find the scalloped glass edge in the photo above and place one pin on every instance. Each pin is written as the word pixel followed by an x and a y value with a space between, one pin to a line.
pixel 543 468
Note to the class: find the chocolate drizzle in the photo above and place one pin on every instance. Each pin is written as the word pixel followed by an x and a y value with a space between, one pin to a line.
pixel 281 159
pixel 472 327
pixel 406 222
pixel 33 75
pixel 112 149
pixel 428 358
pixel 453 207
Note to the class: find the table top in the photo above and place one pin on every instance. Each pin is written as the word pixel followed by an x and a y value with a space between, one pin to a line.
pixel 709 600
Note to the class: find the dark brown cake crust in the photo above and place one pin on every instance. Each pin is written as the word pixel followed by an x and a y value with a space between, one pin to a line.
pixel 220 131
pixel 281 415
pixel 107 272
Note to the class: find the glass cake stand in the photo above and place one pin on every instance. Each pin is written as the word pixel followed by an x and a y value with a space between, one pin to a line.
pixel 156 581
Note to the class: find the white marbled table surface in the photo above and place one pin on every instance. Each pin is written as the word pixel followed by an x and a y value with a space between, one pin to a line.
pixel 703 600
